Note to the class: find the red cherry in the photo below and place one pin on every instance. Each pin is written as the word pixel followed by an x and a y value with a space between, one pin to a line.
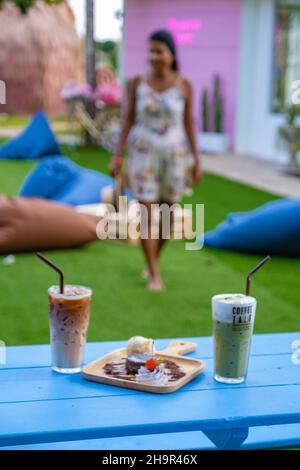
pixel 151 364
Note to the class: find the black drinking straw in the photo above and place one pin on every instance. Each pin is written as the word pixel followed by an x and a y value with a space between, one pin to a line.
pixel 56 268
pixel 253 271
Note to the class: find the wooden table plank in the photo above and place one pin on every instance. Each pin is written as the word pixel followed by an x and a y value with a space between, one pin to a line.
pixel 34 399
pixel 42 384
pixel 262 437
pixel 74 419
pixel 39 355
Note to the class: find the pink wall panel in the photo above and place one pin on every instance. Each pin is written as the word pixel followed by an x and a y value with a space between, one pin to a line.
pixel 208 32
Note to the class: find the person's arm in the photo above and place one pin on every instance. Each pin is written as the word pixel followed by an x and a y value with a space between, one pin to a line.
pixel 190 128
pixel 128 121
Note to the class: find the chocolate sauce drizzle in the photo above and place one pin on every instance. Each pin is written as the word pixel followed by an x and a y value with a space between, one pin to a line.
pixel 118 370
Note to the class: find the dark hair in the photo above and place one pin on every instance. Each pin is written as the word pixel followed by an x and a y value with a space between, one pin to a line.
pixel 166 37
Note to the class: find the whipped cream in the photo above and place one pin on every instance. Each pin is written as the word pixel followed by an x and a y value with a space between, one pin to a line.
pixel 157 377
pixel 139 357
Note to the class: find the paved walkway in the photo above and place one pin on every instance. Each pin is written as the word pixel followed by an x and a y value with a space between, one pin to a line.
pixel 261 174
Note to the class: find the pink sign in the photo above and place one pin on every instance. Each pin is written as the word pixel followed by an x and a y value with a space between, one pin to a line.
pixel 184 31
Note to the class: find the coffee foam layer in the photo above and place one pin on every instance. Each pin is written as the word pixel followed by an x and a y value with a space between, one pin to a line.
pixel 70 291
pixel 233 299
pixel 223 305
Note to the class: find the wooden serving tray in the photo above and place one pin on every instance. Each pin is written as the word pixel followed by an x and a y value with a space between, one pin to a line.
pixel 191 367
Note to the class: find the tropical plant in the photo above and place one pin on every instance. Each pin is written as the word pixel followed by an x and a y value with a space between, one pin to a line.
pixel 205 112
pixel 108 51
pixel 290 133
pixel 217 105
pixel 25 5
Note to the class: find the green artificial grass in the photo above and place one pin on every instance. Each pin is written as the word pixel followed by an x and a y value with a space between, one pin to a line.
pixel 17 121
pixel 122 306
pixel 10 121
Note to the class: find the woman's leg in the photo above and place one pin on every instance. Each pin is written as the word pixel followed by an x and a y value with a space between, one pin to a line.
pixel 150 248
pixel 163 237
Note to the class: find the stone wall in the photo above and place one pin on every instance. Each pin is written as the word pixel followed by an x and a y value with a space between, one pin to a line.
pixel 39 53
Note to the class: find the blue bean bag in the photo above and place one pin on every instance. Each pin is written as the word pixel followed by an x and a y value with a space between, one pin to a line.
pixel 273 228
pixel 60 179
pixel 36 140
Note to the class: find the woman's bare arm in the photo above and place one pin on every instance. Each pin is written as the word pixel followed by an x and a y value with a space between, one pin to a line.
pixel 190 128
pixel 189 122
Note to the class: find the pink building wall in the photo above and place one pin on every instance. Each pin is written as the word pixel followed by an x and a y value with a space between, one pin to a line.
pixel 208 36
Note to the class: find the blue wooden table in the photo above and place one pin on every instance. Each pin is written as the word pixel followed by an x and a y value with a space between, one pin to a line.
pixel 40 409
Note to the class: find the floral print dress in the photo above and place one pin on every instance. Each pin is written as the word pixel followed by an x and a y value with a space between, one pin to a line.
pixel 160 163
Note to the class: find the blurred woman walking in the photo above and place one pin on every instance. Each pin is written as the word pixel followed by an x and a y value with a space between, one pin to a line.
pixel 160 134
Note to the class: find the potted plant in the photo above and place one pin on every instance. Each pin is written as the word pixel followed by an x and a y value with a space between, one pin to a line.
pixel 290 134
pixel 215 141
pixel 103 124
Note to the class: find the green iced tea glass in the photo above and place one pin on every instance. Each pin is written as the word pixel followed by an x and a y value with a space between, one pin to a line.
pixel 233 321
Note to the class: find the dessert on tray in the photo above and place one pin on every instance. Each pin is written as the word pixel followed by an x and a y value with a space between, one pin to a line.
pixel 142 365
pixel 139 350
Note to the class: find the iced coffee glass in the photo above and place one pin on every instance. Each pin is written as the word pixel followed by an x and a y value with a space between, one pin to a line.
pixel 233 321
pixel 69 320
